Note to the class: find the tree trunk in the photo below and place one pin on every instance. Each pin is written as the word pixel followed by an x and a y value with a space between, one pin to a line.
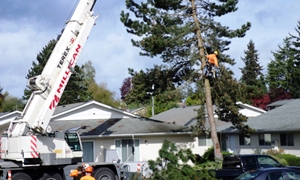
pixel 210 114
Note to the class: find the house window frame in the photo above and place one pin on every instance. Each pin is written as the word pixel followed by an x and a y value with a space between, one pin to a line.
pixel 243 139
pixel 208 141
pixel 136 156
pixel 287 139
pixel 264 140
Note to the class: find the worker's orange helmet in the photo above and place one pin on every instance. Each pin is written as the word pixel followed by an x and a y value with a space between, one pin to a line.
pixel 216 52
pixel 89 169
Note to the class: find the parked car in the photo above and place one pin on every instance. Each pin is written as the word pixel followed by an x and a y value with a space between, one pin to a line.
pixel 282 173
pixel 235 165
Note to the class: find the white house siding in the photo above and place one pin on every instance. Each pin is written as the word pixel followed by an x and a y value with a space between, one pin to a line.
pixel 148 147
pixel 275 138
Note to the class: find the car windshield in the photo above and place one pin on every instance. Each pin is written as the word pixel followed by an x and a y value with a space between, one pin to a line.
pixel 248 175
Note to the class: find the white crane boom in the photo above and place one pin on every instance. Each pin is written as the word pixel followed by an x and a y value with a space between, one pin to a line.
pixel 48 87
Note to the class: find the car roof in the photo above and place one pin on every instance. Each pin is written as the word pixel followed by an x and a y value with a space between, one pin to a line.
pixel 276 168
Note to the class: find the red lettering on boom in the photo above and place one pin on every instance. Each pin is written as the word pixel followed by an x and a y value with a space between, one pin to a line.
pixel 62 84
pixel 54 102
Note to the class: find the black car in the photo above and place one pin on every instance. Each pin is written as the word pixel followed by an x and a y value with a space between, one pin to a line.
pixel 271 174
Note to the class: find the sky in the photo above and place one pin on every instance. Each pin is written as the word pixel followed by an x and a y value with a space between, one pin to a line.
pixel 27 26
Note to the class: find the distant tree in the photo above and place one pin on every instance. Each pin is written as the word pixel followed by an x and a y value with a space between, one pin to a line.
pixel 11 103
pixel 100 93
pixel 89 72
pixel 294 63
pixel 75 91
pixel 252 75
pixel 157 82
pixel 252 69
pixel 279 73
pixel 125 88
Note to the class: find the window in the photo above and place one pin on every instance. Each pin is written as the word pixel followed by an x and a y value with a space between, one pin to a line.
pixel 264 139
pixel 266 162
pixel 204 141
pixel 244 140
pixel 286 140
pixel 125 149
pixel 88 151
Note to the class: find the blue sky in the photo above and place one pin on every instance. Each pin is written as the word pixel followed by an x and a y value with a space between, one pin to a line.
pixel 27 26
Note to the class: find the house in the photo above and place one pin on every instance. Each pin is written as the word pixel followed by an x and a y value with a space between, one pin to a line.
pixel 278 128
pixel 110 132
pixel 186 116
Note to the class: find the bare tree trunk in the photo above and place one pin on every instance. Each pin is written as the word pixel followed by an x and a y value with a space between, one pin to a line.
pixel 209 107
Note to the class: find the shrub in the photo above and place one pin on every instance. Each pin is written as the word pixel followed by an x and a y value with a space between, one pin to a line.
pixel 292 160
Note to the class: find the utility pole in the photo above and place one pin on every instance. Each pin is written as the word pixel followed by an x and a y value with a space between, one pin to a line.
pixel 152 100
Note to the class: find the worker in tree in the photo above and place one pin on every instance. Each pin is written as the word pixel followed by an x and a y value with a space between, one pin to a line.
pixel 88 174
pixel 212 66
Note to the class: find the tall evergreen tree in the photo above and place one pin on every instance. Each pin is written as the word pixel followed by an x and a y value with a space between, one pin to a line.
pixel 252 74
pixel 294 64
pixel 181 32
pixel 75 91
pixel 279 71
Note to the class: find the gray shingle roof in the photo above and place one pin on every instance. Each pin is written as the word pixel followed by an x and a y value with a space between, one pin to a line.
pixel 118 126
pixel 281 102
pixel 284 118
pixel 180 115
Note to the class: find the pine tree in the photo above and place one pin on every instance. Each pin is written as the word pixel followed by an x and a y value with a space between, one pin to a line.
pixel 252 74
pixel 294 64
pixel 76 89
pixel 279 71
pixel 181 32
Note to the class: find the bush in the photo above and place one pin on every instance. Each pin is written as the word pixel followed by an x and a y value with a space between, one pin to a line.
pixel 292 160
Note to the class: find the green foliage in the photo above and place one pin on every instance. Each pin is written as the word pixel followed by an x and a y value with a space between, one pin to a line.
pixel 11 103
pixel 226 93
pixel 292 160
pixel 100 93
pixel 252 74
pixel 284 69
pixel 172 164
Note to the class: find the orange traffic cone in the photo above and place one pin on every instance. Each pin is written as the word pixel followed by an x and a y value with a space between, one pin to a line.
pixel 9 175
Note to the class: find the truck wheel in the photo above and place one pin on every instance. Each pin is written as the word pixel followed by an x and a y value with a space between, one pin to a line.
pixel 104 174
pixel 20 176
pixel 51 176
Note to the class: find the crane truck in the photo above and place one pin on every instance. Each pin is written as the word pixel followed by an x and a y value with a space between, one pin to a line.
pixel 29 150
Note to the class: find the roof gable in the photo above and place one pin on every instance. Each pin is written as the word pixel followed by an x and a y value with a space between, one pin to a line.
pixel 89 110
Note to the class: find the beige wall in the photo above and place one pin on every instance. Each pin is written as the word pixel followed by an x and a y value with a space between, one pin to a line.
pixel 149 145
